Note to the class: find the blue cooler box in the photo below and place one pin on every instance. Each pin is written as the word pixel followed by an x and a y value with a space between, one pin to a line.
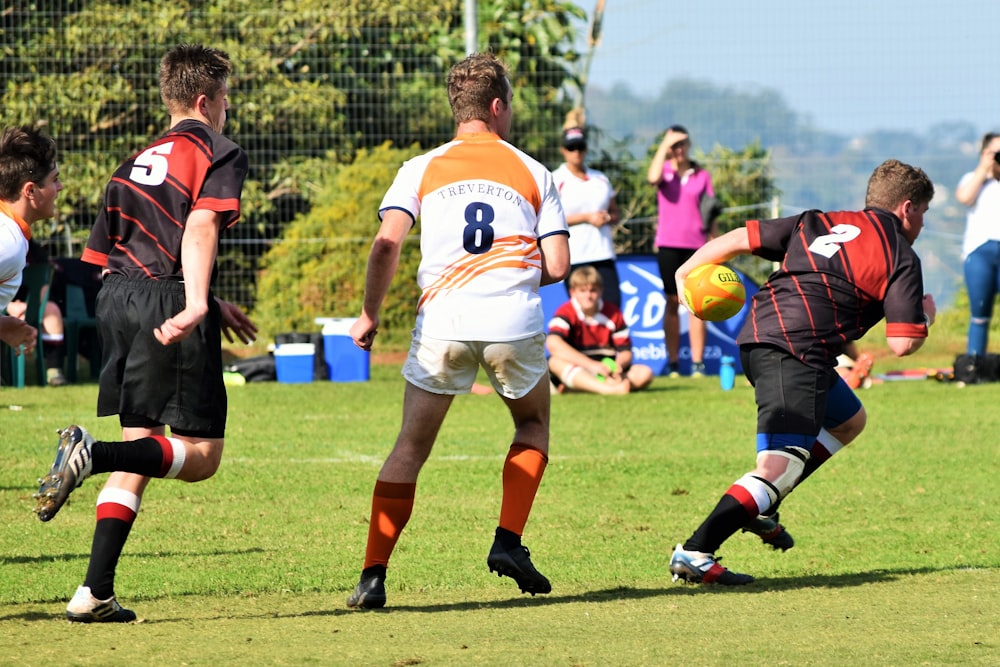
pixel 293 362
pixel 345 361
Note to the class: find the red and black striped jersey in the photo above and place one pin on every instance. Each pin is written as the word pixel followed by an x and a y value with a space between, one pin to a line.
pixel 840 274
pixel 147 202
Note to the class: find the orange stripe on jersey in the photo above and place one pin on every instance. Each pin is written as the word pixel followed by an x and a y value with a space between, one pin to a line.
pixel 94 257
pixel 505 253
pixel 494 162
pixel 518 252
pixel 219 206
pixel 21 222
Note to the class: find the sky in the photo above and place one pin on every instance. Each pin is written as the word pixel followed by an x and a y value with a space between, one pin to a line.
pixel 849 66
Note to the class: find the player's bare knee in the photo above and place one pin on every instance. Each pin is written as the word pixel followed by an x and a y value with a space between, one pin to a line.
pixel 782 467
pixel 201 462
pixel 846 432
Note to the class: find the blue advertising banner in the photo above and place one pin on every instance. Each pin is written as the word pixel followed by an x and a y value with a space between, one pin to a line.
pixel 643 305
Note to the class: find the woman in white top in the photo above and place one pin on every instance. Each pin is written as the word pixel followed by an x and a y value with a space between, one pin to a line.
pixel 591 212
pixel 980 191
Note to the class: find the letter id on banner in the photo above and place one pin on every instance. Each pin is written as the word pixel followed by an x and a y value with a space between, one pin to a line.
pixel 643 305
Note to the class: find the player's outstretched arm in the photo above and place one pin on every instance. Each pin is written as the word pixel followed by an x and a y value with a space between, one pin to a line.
pixel 717 251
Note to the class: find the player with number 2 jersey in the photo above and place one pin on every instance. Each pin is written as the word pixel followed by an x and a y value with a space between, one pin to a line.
pixel 839 274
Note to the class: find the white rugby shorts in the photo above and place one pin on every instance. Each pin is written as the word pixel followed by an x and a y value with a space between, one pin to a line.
pixel 450 367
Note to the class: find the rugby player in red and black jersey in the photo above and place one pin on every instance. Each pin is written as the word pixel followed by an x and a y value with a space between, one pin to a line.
pixel 839 275
pixel 161 328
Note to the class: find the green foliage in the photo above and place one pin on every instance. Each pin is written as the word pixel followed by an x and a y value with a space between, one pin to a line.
pixel 311 86
pixel 318 268
pixel 744 184
pixel 307 80
pixel 536 40
pixel 742 180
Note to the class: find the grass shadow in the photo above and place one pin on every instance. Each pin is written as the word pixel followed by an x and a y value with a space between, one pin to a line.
pixel 618 594
pixel 51 558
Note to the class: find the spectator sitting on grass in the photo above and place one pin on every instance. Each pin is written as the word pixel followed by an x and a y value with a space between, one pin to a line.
pixel 588 342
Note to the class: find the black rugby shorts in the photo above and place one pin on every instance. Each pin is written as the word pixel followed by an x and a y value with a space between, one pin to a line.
pixel 179 385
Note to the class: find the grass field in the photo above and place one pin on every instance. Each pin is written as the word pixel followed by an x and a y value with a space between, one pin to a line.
pixel 896 559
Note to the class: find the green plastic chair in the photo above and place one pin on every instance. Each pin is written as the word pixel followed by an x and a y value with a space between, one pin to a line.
pixel 75 320
pixel 36 279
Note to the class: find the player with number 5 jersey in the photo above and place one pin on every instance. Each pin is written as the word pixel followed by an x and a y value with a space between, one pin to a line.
pixel 838 275
pixel 139 231
pixel 160 326
pixel 492 232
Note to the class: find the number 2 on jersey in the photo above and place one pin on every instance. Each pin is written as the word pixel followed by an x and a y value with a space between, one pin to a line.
pixel 477 237
pixel 828 245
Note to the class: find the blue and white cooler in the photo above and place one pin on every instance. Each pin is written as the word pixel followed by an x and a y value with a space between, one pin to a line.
pixel 293 362
pixel 345 361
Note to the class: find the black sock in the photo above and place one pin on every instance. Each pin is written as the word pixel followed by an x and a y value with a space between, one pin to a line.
pixel 727 518
pixel 55 352
pixel 109 540
pixel 142 457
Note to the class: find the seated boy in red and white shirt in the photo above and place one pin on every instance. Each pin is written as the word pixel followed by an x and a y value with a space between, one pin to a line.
pixel 588 342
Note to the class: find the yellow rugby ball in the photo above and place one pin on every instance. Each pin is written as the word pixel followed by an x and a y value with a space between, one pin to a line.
pixel 714 292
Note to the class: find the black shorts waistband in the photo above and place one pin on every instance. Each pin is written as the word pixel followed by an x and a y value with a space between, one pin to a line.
pixel 144 284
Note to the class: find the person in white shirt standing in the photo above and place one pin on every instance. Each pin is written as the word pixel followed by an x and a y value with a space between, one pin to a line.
pixel 29 185
pixel 492 232
pixel 980 191
pixel 591 212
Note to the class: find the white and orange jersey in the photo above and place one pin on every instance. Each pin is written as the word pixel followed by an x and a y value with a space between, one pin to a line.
pixel 483 206
pixel 14 235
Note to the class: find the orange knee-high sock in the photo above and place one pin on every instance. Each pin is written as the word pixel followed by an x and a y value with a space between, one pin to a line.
pixel 392 505
pixel 522 473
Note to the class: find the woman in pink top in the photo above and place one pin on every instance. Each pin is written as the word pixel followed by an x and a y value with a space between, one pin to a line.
pixel 680 186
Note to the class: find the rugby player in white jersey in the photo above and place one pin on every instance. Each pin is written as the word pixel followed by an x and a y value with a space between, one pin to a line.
pixel 492 232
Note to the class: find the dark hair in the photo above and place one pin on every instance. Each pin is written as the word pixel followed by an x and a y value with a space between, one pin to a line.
pixel 26 155
pixel 190 70
pixel 473 84
pixel 987 138
pixel 678 128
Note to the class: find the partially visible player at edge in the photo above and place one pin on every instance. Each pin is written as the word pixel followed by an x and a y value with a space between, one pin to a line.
pixel 157 238
pixel 840 274
pixel 492 231
pixel 29 185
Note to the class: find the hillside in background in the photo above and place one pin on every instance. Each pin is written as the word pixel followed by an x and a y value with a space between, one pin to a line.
pixel 813 167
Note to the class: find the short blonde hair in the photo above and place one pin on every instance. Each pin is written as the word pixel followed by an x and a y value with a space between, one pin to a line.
pixel 586 276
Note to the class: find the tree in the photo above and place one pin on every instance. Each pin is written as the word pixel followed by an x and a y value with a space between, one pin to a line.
pixel 318 268
pixel 743 182
pixel 310 82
